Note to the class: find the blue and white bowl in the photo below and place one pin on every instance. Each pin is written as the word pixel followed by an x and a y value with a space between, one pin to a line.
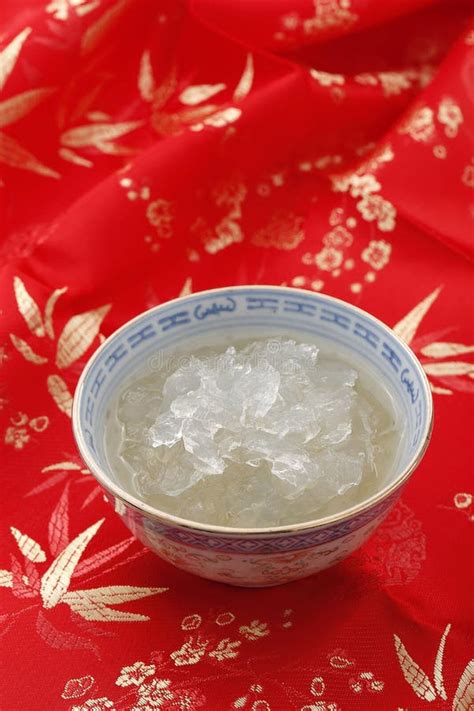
pixel 264 556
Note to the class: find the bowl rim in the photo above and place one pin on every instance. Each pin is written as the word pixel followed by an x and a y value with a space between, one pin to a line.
pixel 169 519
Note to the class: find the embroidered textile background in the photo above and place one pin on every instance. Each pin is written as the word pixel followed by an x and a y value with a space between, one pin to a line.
pixel 149 148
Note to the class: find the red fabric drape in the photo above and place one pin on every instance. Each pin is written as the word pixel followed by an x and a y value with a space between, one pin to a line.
pixel 152 148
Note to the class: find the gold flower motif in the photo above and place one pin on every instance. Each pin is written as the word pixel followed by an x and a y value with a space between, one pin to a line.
pixel 153 694
pixel 468 176
pixel 17 437
pixel 283 231
pixel 420 125
pixel 374 207
pixel 230 193
pixel 94 705
pixel 327 78
pixel 160 214
pixel 462 500
pixel 77 687
pixel 362 185
pixel 450 115
pixel 227 232
pixel 394 83
pixel 328 14
pixel 189 653
pixel 377 254
pixel 328 259
pixel 291 21
pixel 191 622
pixel 225 618
pixel 135 674
pixel 339 237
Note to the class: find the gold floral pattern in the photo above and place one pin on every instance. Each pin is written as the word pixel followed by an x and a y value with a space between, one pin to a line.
pixel 75 688
pixel 468 175
pixel 283 231
pixel 377 254
pixel 326 78
pixel 94 705
pixel 394 82
pixel 339 237
pixel 450 115
pixel 419 125
pixel 329 14
pixel 135 674
pixel 375 208
pixel 229 195
pixel 153 694
pixel 328 259
pixel 160 214
pixel 462 503
pixel 19 433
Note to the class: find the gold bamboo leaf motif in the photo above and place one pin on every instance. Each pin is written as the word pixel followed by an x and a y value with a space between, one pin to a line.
pixel 13 109
pixel 438 665
pixel 9 55
pixel 6 579
pixel 97 31
pixel 446 350
pixel 55 581
pixel 49 309
pixel 413 674
pixel 193 95
pixel 98 116
pixel 97 133
pixel 246 80
pixel 81 605
pixel 146 80
pixel 26 351
pixel 82 10
pixel 92 604
pixel 187 287
pixel 28 308
pixel 165 90
pixel 59 391
pixel 14 155
pixel 219 119
pixel 72 157
pixel 408 326
pixel 78 334
pixel 113 149
pixel 224 117
pixel 464 696
pixel 190 115
pixel 62 466
pixel 440 391
pixel 28 546
pixel 453 367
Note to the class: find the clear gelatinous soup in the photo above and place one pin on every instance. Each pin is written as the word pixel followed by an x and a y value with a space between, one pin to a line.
pixel 264 432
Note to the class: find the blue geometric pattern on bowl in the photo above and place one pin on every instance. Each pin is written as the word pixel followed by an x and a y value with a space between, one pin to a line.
pixel 270 544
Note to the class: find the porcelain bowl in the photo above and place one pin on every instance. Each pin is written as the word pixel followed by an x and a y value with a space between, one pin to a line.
pixel 264 556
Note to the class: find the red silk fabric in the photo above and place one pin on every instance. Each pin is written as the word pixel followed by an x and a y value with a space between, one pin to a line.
pixel 153 148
